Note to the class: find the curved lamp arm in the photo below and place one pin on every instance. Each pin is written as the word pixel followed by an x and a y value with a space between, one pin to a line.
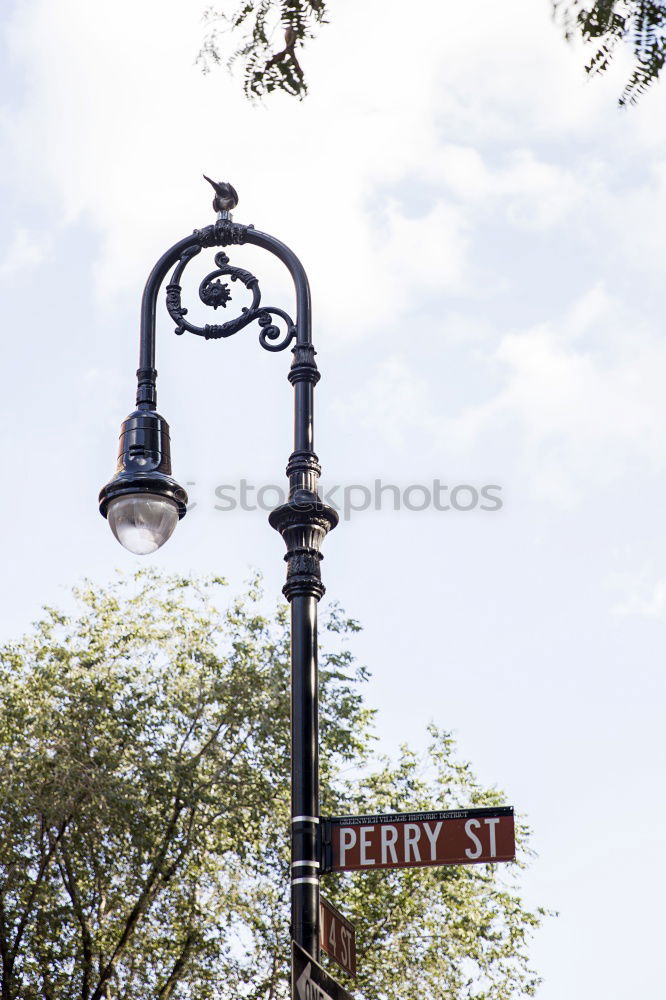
pixel 303 469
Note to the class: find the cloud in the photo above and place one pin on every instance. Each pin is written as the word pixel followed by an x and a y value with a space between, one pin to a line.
pixel 392 404
pixel 129 124
pixel 412 183
pixel 578 404
pixel 643 595
pixel 534 194
pixel 586 399
pixel 25 252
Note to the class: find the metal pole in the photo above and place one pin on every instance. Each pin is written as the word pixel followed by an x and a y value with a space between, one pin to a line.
pixel 304 521
pixel 304 775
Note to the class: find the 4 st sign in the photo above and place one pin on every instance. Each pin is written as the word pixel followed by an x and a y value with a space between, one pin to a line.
pixel 408 840
pixel 337 936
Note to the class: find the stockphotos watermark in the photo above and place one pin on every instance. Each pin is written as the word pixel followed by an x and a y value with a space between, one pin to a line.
pixel 356 497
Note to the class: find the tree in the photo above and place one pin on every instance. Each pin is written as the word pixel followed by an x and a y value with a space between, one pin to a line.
pixel 266 67
pixel 144 813
pixel 607 23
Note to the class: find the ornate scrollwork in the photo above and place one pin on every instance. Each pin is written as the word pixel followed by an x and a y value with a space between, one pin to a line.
pixel 222 233
pixel 214 292
pixel 269 338
pixel 303 523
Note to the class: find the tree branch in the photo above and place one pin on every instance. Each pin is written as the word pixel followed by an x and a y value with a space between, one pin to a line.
pixel 69 882
pixel 178 968
pixel 47 858
pixel 143 902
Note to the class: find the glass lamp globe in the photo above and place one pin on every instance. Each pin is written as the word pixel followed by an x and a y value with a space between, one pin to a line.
pixel 142 522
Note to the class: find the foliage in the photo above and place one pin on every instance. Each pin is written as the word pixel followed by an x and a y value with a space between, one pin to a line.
pixel 607 23
pixel 266 65
pixel 144 813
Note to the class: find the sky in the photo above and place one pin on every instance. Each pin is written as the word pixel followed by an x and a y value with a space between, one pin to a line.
pixel 484 233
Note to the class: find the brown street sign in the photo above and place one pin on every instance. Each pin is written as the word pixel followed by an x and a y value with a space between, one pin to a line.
pixel 310 982
pixel 409 840
pixel 337 936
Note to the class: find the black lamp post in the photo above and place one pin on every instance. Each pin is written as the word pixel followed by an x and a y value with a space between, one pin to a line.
pixel 143 503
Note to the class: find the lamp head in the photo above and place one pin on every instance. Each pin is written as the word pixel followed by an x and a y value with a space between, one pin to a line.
pixel 143 503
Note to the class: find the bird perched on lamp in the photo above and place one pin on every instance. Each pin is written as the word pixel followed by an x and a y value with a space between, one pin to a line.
pixel 225 198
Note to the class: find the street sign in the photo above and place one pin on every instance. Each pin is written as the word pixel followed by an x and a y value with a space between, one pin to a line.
pixel 337 936
pixel 409 840
pixel 309 981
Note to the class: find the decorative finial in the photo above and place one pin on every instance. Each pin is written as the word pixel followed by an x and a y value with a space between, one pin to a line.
pixel 225 198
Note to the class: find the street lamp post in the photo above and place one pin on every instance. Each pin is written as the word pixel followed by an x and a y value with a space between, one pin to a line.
pixel 143 503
